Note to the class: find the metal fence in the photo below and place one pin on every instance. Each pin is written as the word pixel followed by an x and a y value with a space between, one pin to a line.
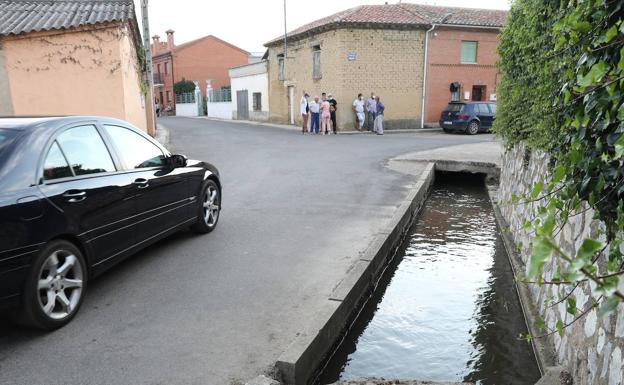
pixel 223 95
pixel 188 97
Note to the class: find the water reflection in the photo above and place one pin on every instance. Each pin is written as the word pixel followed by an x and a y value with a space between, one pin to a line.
pixel 450 311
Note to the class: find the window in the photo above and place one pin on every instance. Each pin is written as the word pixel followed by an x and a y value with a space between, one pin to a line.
pixel 453 107
pixel 168 96
pixel 257 101
pixel 492 108
pixel 482 109
pixel 280 67
pixel 158 71
pixel 468 52
pixel 166 67
pixel 316 62
pixel 85 151
pixel 56 165
pixel 136 151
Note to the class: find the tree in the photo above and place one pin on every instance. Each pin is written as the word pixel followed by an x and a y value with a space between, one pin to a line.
pixel 183 86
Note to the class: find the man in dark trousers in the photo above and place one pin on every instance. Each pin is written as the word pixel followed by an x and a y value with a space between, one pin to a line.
pixel 333 107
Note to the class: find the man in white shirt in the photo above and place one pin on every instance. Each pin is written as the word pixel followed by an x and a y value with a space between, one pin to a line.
pixel 315 109
pixel 304 112
pixel 358 107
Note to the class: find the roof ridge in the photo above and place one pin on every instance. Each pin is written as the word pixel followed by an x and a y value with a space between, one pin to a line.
pixel 413 12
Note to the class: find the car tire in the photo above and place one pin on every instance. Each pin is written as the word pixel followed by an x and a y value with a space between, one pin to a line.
pixel 472 128
pixel 55 286
pixel 208 208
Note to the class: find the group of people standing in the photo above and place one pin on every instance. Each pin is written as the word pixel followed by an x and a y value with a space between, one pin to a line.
pixel 321 111
pixel 371 112
pixel 319 115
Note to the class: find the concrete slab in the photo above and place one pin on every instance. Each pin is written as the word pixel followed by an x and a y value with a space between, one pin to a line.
pixel 397 382
pixel 262 380
pixel 483 158
pixel 555 375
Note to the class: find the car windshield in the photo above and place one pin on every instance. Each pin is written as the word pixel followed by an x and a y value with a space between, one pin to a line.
pixel 454 108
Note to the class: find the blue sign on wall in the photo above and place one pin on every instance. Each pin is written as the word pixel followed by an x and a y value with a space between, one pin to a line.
pixel 351 56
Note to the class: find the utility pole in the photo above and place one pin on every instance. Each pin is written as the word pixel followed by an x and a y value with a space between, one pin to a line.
pixel 285 35
pixel 148 54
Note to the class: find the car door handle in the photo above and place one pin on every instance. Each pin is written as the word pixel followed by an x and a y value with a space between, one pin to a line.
pixel 74 196
pixel 141 183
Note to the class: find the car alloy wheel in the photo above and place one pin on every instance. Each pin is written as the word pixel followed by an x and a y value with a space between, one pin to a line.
pixel 473 128
pixel 211 205
pixel 60 282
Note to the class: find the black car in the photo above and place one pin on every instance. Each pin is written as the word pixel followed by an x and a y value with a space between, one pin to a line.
pixel 78 195
pixel 468 117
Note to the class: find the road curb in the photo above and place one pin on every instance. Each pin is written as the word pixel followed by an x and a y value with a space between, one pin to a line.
pixel 298 128
pixel 310 349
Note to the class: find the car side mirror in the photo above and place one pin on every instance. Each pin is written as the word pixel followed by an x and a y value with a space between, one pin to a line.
pixel 177 161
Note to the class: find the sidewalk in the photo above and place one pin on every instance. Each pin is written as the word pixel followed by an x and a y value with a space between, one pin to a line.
pixel 298 129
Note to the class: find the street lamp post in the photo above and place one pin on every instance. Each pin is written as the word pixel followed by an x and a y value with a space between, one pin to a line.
pixel 148 53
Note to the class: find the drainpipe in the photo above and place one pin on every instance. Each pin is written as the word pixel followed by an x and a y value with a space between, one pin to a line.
pixel 424 89
pixel 424 93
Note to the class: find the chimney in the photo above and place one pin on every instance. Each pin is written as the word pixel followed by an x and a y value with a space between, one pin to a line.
pixel 155 45
pixel 170 44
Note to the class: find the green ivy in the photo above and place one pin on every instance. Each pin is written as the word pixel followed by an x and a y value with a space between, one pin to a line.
pixel 562 91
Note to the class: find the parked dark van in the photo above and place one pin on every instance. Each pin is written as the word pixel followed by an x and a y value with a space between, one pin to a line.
pixel 468 117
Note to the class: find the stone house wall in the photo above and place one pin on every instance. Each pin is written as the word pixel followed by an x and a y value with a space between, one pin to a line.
pixel 388 62
pixel 591 348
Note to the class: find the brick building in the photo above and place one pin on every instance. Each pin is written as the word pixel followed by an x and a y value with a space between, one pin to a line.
pixel 381 48
pixel 205 59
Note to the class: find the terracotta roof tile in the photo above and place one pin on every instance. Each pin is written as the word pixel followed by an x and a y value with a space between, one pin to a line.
pixel 404 14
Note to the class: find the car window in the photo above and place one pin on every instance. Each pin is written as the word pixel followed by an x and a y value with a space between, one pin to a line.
pixel 85 150
pixel 492 108
pixel 55 165
pixel 482 109
pixel 453 108
pixel 136 151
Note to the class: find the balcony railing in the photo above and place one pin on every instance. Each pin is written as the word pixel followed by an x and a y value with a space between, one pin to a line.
pixel 159 79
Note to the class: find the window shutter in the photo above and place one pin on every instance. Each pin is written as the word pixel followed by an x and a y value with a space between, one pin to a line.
pixel 468 52
pixel 316 63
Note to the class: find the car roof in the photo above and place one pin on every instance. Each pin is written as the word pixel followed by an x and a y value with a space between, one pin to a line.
pixel 473 102
pixel 32 123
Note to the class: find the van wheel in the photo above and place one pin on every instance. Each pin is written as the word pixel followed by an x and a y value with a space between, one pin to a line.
pixel 473 128
pixel 55 286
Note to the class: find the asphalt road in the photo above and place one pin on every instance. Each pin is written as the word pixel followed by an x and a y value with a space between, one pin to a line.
pixel 221 308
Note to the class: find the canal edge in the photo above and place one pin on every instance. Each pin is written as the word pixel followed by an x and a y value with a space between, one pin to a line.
pixel 303 358
pixel 543 348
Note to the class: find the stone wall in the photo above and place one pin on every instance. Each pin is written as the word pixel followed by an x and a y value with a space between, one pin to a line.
pixel 385 61
pixel 590 348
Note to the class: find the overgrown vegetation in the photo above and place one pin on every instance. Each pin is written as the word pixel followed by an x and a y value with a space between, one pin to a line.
pixel 183 86
pixel 562 91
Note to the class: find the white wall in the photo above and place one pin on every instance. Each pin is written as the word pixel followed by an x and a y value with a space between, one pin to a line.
pixel 186 109
pixel 253 78
pixel 220 110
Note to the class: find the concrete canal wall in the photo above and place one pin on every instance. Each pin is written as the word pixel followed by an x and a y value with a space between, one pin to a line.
pixel 591 348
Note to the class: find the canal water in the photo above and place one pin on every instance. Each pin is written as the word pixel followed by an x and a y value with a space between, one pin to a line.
pixel 447 310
